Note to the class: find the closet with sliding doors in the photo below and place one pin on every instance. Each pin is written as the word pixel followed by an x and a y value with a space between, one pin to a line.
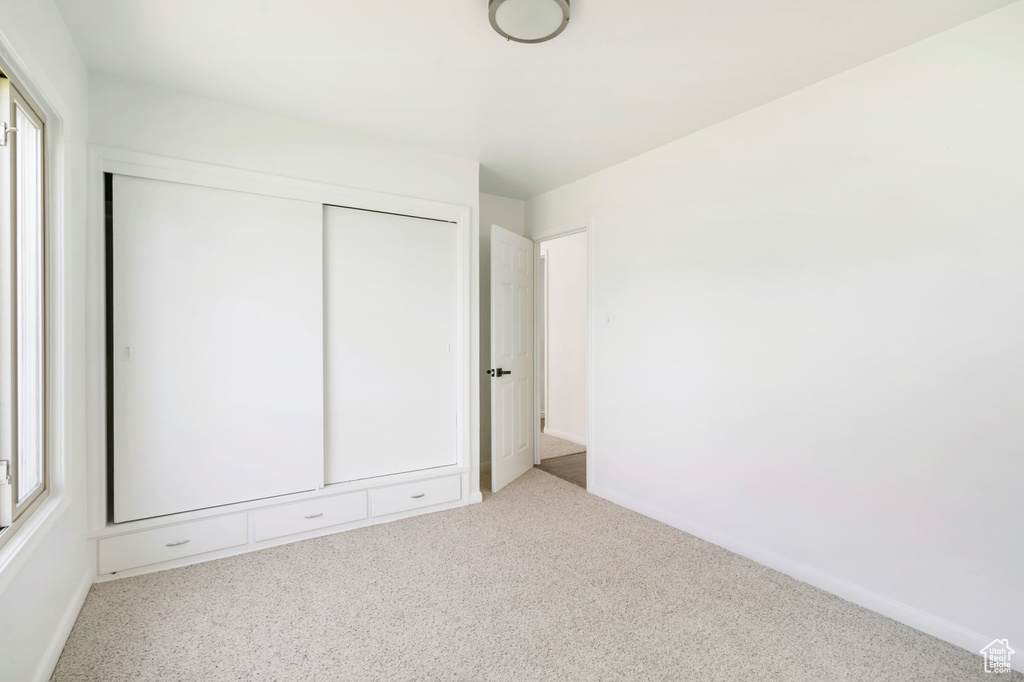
pixel 284 360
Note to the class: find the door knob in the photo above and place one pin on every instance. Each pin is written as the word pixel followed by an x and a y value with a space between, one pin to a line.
pixel 498 372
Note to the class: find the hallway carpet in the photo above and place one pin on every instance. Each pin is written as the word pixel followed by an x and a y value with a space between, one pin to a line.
pixel 550 446
pixel 542 581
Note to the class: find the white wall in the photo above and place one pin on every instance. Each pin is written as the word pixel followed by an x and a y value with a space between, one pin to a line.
pixel 566 342
pixel 142 118
pixel 816 350
pixel 510 214
pixel 42 584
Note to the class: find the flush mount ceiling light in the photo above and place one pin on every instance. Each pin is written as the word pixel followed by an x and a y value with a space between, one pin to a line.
pixel 529 21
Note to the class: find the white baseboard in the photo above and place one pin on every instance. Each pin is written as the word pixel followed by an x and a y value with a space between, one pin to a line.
pixel 60 634
pixel 579 440
pixel 908 615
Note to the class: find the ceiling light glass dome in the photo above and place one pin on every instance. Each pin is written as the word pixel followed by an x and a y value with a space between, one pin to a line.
pixel 529 21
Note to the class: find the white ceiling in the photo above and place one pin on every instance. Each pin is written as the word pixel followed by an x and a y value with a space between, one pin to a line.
pixel 626 75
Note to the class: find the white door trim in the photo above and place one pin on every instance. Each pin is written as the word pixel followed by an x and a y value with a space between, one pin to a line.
pixel 585 225
pixel 110 160
pixel 542 359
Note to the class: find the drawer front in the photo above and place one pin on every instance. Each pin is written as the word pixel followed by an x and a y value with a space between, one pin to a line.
pixel 310 515
pixel 408 496
pixel 146 547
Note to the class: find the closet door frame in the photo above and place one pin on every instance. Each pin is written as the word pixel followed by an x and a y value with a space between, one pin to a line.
pixel 104 160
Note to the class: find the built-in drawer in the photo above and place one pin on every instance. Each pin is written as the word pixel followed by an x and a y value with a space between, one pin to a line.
pixel 309 515
pixel 399 498
pixel 122 552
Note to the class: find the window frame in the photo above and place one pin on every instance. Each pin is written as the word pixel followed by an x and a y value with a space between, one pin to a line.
pixel 13 100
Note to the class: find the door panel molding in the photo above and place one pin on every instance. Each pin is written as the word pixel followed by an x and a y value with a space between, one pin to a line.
pixel 513 445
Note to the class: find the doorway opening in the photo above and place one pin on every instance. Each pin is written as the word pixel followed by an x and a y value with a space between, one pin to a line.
pixel 563 330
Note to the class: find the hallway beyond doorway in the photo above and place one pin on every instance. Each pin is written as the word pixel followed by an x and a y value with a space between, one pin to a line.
pixel 571 468
pixel 552 446
pixel 563 458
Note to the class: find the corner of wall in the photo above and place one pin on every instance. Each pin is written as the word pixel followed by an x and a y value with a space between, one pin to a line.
pixel 63 629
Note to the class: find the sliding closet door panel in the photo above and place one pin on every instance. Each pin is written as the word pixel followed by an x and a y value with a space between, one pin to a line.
pixel 218 347
pixel 390 313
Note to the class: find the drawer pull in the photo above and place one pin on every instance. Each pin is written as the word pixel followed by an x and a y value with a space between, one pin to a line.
pixel 416 497
pixel 178 544
pixel 315 516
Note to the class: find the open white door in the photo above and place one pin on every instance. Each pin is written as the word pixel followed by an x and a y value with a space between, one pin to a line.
pixel 512 442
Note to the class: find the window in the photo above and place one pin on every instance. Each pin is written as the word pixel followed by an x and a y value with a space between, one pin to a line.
pixel 23 461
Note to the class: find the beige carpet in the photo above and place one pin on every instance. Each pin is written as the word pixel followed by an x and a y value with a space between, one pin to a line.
pixel 550 446
pixel 542 581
